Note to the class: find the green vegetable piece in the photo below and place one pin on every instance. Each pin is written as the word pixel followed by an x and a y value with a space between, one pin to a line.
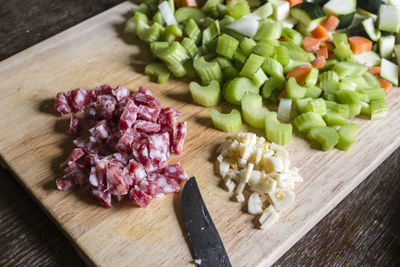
pixel 312 78
pixel 190 71
pixel 378 109
pixel 239 56
pixel 292 36
pixel 317 106
pixel 192 30
pixel 372 93
pixel 265 48
pixel 293 64
pixel 329 82
pixel 272 67
pixel 252 64
pixel 302 104
pixel 365 109
pixel 252 110
pixel 177 69
pixel 171 32
pixel 190 47
pixel 227 46
pixel 296 52
pixel 273 88
pixel 223 62
pixel 269 31
pixel 295 91
pixel 347 85
pixel 259 77
pixel 155 46
pixel 343 53
pixel 158 70
pixel 339 38
pixel 234 90
pixel 174 54
pixel 346 136
pixel 329 64
pixel 370 79
pixel 352 99
pixel 264 11
pixel 334 118
pixel 211 7
pixel 226 122
pixel 238 9
pixel 211 32
pixel 275 131
pixel 345 69
pixel 130 26
pixel 187 13
pixel 325 136
pixel 158 18
pixel 227 20
pixel 389 71
pixel 205 96
pixel 342 109
pixel 282 55
pixel 308 120
pixel 150 34
pixel 247 45
pixel 313 92
pixel 207 71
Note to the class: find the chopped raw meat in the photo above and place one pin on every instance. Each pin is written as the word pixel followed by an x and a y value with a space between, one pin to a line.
pixel 126 149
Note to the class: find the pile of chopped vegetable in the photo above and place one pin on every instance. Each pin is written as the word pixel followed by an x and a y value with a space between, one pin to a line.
pixel 295 53
pixel 248 164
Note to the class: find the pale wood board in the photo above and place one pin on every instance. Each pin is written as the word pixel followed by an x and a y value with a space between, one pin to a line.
pixel 33 142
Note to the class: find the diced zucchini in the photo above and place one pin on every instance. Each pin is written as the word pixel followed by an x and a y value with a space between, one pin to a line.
pixel 389 71
pixel 370 5
pixel 386 46
pixel 368 59
pixel 343 9
pixel 280 9
pixel 369 27
pixel 309 14
pixel 389 18
pixel 397 53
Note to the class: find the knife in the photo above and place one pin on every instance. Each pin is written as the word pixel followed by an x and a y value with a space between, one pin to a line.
pixel 207 245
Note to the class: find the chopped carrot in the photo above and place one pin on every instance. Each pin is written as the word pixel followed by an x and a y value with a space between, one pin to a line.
pixel 360 45
pixel 328 44
pixel 322 52
pixel 294 2
pixel 320 33
pixel 331 23
pixel 311 44
pixel 300 73
pixel 384 84
pixel 319 62
pixel 190 3
pixel 331 56
pixel 375 70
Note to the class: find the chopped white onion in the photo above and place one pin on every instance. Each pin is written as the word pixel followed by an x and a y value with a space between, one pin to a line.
pixel 285 106
pixel 167 13
pixel 246 25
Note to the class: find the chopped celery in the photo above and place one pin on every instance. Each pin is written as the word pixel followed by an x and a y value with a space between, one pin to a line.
pixel 294 90
pixel 293 36
pixel 329 82
pixel 325 136
pixel 252 64
pixel 223 62
pixel 293 64
pixel 363 96
pixel 312 78
pixel 317 106
pixel 207 71
pixel 373 93
pixel 346 136
pixel 177 69
pixel 192 30
pixel 301 104
pixel 222 10
pixel 342 109
pixel 296 52
pixel 174 54
pixel 211 7
pixel 227 46
pixel 239 56
pixel 206 22
pixel 313 92
pixel 226 21
pixel 308 120
pixel 234 90
pixel 158 70
pixel 211 32
pixel 269 31
pixel 143 8
pixel 358 80
pixel 352 99
pixel 190 46
pixel 343 53
pixel 282 55
pixel 347 84
pixel 238 9
pixel 389 71
pixel 171 32
pixel 230 73
pixel 263 11
pixel 154 46
pixel 211 47
pixel 365 109
pixel 190 71
pixel 205 96
pixel 345 69
pixel 329 64
pixel 272 67
pixel 339 38
pixel 247 45
pixel 264 48
pixel 334 118
pixel 275 131
pixel 252 110
pixel 130 26
pixel 272 88
pixel 158 18
pixel 226 122
pixel 259 77
pixel 147 33
pixel 378 109
pixel 371 79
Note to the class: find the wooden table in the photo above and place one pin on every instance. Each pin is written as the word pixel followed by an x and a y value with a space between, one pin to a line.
pixel 364 229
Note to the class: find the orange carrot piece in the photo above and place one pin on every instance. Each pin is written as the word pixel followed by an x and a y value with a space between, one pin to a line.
pixel 319 62
pixel 328 44
pixel 300 73
pixel 190 3
pixel 331 23
pixel 322 52
pixel 320 33
pixel 375 70
pixel 294 2
pixel 311 44
pixel 384 84
pixel 360 45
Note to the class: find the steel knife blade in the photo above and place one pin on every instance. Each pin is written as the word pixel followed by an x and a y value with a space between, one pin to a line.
pixel 207 245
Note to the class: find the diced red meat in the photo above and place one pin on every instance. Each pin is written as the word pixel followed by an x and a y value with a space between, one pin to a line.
pixel 158 148
pixel 103 90
pixel 61 104
pixel 167 119
pixel 76 99
pixel 128 116
pixel 103 196
pixel 92 177
pixel 147 113
pixel 179 138
pixel 101 172
pixel 146 126
pixel 146 100
pixel 66 182
pixel 120 93
pixel 115 181
pixel 140 151
pixel 144 90
pixel 90 111
pixel 175 172
pixel 127 139
pixel 100 130
pixel 74 126
pixel 105 107
pixel 90 98
pixel 80 142
pixel 137 170
pixel 76 154
pixel 165 185
pixel 141 198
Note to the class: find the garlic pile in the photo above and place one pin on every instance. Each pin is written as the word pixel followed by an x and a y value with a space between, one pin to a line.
pixel 246 160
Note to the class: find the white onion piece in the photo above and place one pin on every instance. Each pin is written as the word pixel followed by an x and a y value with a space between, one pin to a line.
pixel 167 13
pixel 285 106
pixel 246 25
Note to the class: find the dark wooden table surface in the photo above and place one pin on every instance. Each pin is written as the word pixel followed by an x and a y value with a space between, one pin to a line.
pixel 364 229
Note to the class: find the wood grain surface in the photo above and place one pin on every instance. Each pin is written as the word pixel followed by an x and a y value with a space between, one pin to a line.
pixel 362 230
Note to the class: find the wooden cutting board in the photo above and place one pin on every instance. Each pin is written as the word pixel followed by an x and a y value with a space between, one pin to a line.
pixel 33 142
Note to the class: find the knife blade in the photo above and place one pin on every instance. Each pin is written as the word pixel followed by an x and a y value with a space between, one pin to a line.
pixel 207 245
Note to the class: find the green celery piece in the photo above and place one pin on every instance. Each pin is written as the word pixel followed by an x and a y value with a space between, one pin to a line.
pixel 207 21
pixel 272 67
pixel 334 118
pixel 226 122
pixel 311 56
pixel 238 9
pixel 339 38
pixel 211 32
pixel 347 85
pixel 143 8
pixel 358 80
pixel 370 79
pixel 234 90
pixel 342 109
pixel 186 13
pixel 329 82
pixel 174 54
pixel 329 64
pixel 292 36
pixel 222 10
pixel 373 93
pixel 312 78
pixel 158 70
pixel 228 70
pixel 211 7
pixel 293 64
pixel 325 136
pixel 230 73
pixel 295 91
pixel 154 46
pixel 352 99
pixel 259 77
pixel 239 56
pixel 265 48
pixel 211 47
pixel 223 62
pixel 264 11
pixel 233 33
pixel 345 69
pixel 190 71
pixel 365 109
pixel 313 92
pixel 363 96
pixel 158 18
pixel 154 33
pixel 177 69
pixel 308 120
pixel 273 88
pixel 171 4
pixel 227 20
pixel 171 32
pixel 275 131
pixel 207 71
pixel 343 53
pixel 190 47
pixel 206 96
pixel 281 54
pixel 317 106
pixel 252 64
pixel 247 45
pixel 269 31
pixel 226 46
pixel 378 109
pixel 192 30
pixel 301 104
pixel 253 111
pixel 296 53
pixel 130 26
pixel 346 136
